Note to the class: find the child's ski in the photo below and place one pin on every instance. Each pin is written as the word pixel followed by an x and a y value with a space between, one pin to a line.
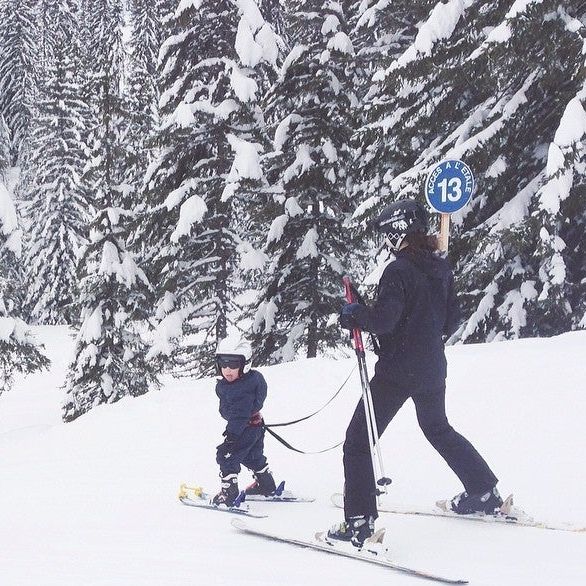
pixel 508 514
pixel 321 543
pixel 196 497
pixel 279 496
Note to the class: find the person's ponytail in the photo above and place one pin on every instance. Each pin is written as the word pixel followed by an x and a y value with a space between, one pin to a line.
pixel 419 241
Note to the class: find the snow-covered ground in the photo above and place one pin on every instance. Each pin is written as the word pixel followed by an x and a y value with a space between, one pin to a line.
pixel 94 502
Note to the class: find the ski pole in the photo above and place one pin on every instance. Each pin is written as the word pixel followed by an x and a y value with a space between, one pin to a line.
pixel 371 425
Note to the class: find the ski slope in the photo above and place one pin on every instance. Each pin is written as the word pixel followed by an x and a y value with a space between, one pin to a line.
pixel 94 502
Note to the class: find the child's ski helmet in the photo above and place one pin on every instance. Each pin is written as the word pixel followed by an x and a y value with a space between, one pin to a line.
pixel 400 218
pixel 234 350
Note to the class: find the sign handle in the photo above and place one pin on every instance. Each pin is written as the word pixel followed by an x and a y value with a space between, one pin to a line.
pixel 444 236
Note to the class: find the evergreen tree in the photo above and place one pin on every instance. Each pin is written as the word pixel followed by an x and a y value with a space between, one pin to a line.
pixel 57 199
pixel 207 173
pixel 382 29
pixel 487 82
pixel 310 108
pixel 560 209
pixel 55 19
pixel 4 146
pixel 143 95
pixel 166 10
pixel 19 353
pixel 109 358
pixel 17 68
pixel 273 12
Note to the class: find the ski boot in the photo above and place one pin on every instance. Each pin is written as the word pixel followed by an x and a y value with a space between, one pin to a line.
pixel 264 483
pixel 488 502
pixel 355 530
pixel 229 491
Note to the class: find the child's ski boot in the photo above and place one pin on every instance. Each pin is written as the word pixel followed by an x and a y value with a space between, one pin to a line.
pixel 229 491
pixel 264 483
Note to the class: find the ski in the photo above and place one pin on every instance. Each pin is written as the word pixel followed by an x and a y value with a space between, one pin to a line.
pixel 509 514
pixel 321 543
pixel 279 496
pixel 194 496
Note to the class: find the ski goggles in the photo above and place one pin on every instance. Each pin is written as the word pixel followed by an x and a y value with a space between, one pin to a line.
pixel 233 361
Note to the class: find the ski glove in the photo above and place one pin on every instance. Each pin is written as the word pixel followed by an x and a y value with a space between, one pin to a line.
pixel 256 419
pixel 348 316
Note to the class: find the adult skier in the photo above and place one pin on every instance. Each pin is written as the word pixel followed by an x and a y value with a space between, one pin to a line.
pixel 414 311
pixel 242 392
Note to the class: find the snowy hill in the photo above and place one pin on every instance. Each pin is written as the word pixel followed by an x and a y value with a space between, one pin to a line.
pixel 94 502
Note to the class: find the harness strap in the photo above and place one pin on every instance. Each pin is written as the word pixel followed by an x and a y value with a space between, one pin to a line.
pixel 267 425
pixel 290 447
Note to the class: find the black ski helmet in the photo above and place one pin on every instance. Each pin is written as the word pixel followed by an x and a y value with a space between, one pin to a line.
pixel 402 217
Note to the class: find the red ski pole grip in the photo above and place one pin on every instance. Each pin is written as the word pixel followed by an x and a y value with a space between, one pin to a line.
pixel 356 335
pixel 348 289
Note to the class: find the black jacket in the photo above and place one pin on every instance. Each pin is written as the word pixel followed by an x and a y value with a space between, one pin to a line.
pixel 416 307
pixel 241 399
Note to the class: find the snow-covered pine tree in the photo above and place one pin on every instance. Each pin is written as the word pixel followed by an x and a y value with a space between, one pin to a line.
pixel 526 281
pixel 58 19
pixel 381 30
pixel 57 201
pixel 209 144
pixel 143 95
pixel 273 12
pixel 53 19
pixel 109 358
pixel 560 208
pixel 258 50
pixel 166 10
pixel 17 68
pixel 397 107
pixel 11 272
pixel 310 108
pixel 476 85
pixel 19 352
pixel 5 158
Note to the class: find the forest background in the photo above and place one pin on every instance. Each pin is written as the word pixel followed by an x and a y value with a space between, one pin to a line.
pixel 172 171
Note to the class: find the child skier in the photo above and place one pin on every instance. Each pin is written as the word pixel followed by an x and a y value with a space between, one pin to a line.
pixel 242 393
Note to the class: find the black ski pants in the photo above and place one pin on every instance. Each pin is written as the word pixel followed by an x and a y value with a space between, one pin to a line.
pixel 457 451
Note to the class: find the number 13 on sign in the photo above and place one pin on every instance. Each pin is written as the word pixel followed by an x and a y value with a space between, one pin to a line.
pixel 451 189
pixel 448 188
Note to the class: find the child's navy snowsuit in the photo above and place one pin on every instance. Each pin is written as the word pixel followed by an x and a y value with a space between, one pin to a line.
pixel 239 401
